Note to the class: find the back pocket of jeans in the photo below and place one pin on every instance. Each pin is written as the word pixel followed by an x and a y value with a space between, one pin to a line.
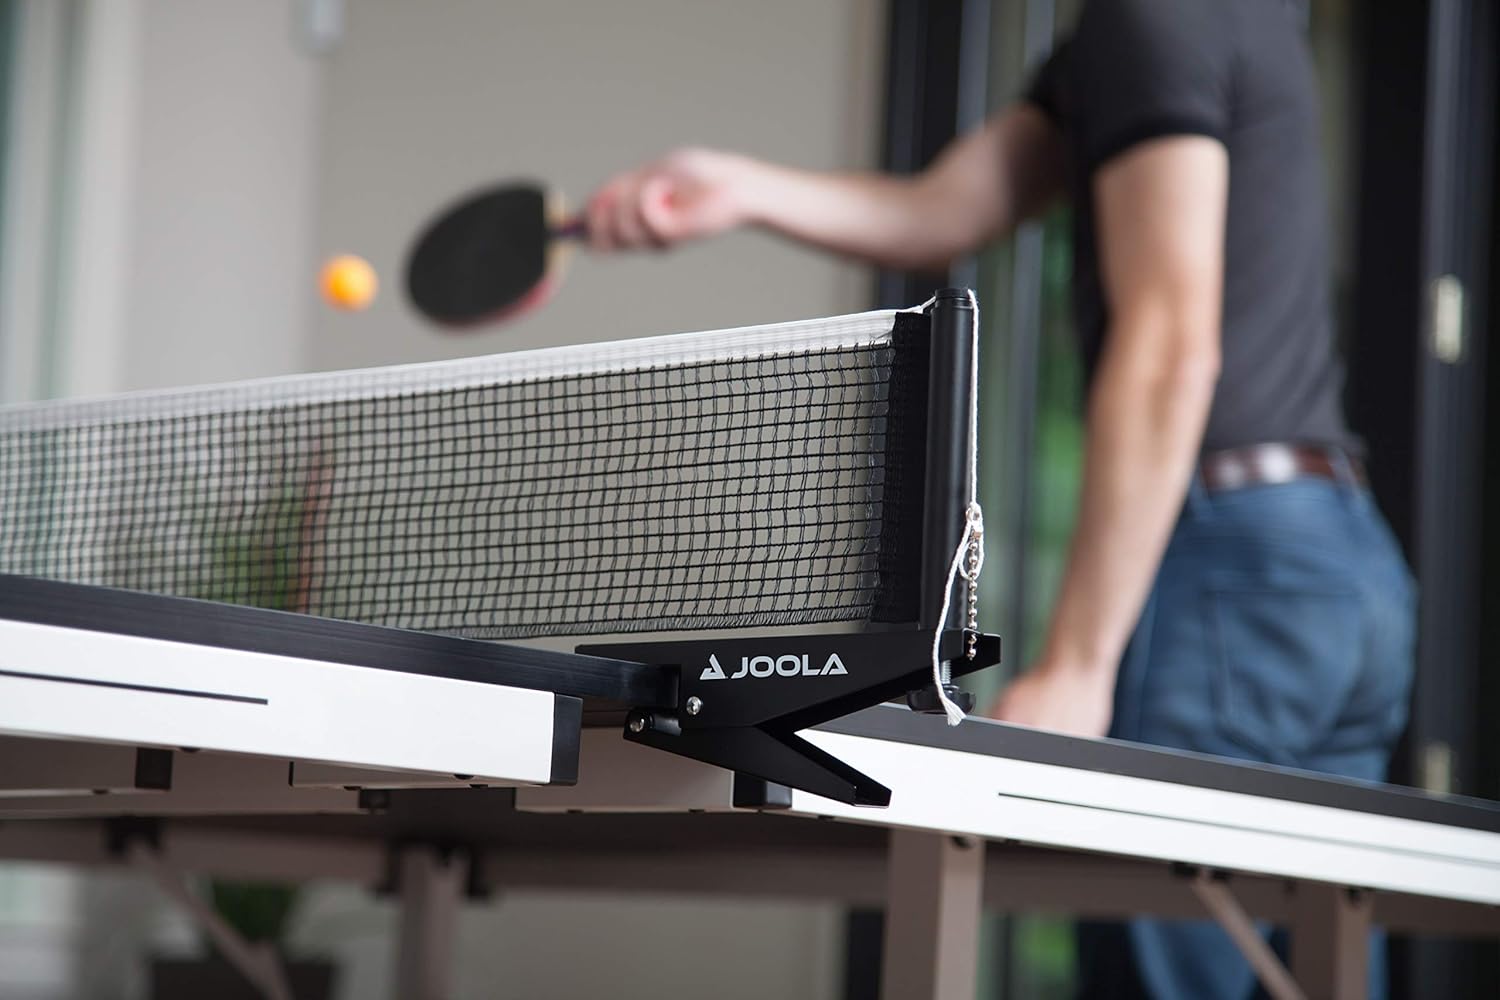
pixel 1287 661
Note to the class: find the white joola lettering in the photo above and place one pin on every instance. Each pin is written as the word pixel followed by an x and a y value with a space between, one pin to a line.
pixel 787 665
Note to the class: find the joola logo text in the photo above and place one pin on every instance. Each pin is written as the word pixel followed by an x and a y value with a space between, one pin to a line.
pixel 777 666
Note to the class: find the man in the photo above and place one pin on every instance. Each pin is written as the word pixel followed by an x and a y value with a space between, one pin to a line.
pixel 1230 586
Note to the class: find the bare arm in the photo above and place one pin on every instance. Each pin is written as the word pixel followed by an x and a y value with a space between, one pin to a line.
pixel 981 186
pixel 1161 211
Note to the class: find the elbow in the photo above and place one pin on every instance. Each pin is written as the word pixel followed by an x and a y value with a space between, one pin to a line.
pixel 1192 368
pixel 919 254
pixel 930 265
pixel 1179 367
pixel 1162 396
pixel 1181 389
pixel 939 228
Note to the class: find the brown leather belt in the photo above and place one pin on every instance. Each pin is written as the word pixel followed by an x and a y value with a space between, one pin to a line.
pixel 1269 464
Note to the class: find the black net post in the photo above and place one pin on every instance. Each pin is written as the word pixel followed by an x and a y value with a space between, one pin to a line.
pixel 947 467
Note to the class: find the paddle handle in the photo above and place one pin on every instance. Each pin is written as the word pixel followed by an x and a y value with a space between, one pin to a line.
pixel 576 228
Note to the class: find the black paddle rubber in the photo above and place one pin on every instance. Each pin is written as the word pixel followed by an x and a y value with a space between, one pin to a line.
pixel 482 256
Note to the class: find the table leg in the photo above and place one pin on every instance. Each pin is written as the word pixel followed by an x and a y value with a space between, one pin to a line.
pixel 933 905
pixel 1331 942
pixel 431 888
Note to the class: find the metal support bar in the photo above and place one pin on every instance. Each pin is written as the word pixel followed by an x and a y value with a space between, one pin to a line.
pixel 1224 908
pixel 431 886
pixel 933 906
pixel 256 961
pixel 1331 941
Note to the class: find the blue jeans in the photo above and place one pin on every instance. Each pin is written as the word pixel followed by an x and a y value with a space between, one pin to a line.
pixel 1280 629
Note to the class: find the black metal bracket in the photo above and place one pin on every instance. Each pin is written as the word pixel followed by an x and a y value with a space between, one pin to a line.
pixel 742 700
pixel 123 831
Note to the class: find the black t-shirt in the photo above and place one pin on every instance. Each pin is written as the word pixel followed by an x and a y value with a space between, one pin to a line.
pixel 1237 71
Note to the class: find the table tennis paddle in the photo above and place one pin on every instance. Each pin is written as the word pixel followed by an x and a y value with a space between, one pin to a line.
pixel 494 254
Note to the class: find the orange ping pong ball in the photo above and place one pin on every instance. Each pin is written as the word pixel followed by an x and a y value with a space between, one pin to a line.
pixel 348 282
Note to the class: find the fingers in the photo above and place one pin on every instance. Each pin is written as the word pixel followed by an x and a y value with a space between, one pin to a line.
pixel 603 233
pixel 658 210
pixel 689 194
pixel 617 213
pixel 630 228
pixel 600 214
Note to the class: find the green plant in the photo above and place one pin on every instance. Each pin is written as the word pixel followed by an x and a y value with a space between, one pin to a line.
pixel 259 911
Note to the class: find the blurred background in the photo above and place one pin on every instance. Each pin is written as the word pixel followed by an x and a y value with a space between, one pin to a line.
pixel 172 172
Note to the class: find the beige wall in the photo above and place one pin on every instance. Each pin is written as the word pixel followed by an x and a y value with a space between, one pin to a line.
pixel 425 100
pixel 227 112
pixel 159 195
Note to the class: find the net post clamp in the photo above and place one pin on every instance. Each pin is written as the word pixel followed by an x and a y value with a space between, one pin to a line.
pixel 742 700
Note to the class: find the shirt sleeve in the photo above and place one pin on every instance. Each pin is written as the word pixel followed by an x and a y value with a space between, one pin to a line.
pixel 1046 86
pixel 1143 69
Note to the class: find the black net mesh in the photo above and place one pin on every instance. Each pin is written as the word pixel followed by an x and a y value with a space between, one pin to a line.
pixel 717 493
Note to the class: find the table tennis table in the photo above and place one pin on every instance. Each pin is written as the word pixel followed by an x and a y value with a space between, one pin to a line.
pixel 187 737
pixel 636 616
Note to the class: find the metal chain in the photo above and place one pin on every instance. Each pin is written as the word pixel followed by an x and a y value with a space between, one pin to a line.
pixel 971 580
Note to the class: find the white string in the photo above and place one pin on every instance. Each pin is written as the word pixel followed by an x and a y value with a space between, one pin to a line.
pixel 973 525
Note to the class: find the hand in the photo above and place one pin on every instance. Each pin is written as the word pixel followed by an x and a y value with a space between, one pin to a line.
pixel 686 195
pixel 1073 700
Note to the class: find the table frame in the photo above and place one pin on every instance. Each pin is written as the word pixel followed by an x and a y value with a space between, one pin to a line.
pixel 935 870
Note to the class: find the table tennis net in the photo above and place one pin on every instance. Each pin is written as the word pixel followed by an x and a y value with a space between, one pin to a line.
pixel 752 477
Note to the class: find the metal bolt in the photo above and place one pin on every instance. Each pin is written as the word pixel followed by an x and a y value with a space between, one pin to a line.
pixel 694 705
pixel 637 723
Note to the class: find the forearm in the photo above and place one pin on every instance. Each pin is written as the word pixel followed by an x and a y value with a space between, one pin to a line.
pixel 1145 426
pixel 981 187
pixel 878 218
